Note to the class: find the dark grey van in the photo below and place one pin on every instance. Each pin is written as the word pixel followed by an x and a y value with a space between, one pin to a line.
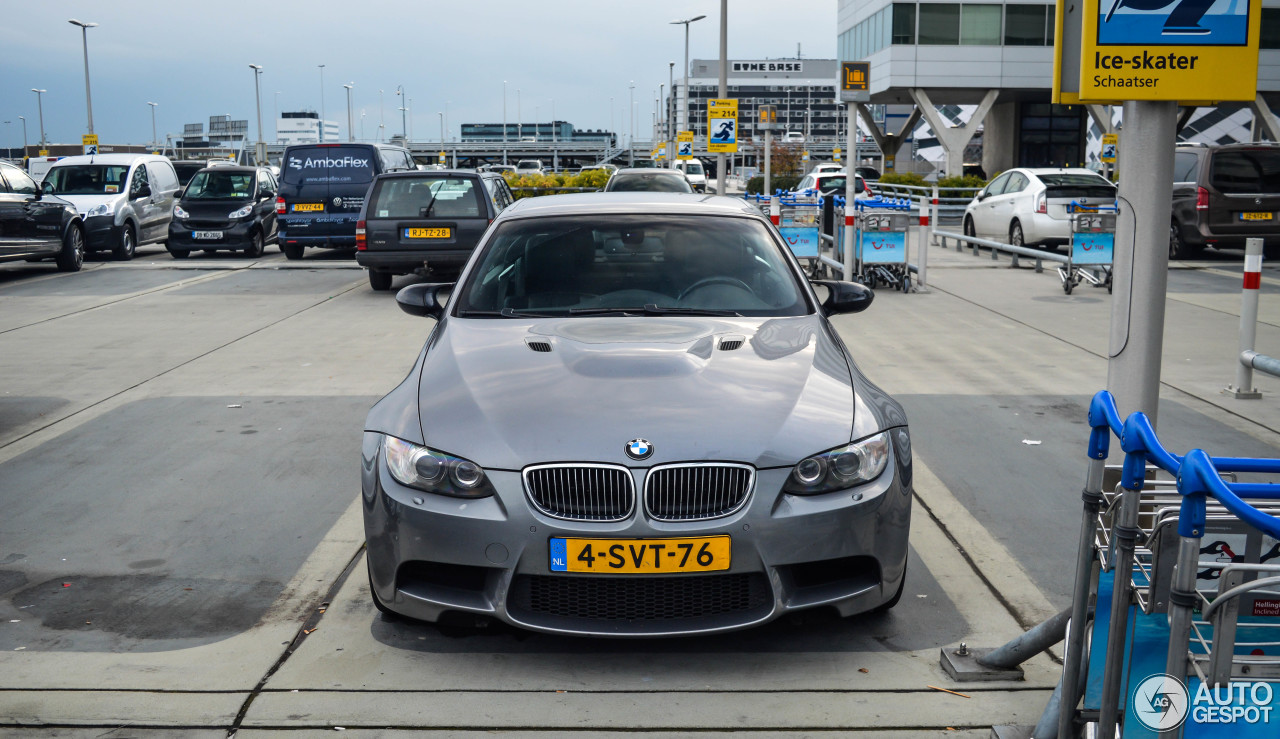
pixel 322 188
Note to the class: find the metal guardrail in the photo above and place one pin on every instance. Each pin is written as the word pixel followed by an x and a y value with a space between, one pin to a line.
pixel 996 247
pixel 1250 360
pixel 949 209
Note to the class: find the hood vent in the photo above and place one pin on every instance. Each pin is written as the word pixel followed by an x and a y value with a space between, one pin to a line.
pixel 729 343
pixel 538 345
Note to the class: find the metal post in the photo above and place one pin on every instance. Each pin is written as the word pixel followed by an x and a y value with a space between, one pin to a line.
pixel 1244 388
pixel 1124 534
pixel 724 85
pixel 850 181
pixel 1073 659
pixel 768 172
pixel 84 37
pixel 666 116
pixel 1142 257
pixel 504 121
pixel 933 214
pixel 321 103
pixel 40 109
pixel 260 153
pixel 155 139
pixel 351 133
pixel 24 134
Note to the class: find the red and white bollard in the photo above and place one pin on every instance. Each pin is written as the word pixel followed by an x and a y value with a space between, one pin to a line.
pixel 1244 388
pixel 775 210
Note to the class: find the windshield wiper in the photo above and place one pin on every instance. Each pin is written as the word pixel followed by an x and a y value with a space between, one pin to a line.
pixel 651 309
pixel 504 313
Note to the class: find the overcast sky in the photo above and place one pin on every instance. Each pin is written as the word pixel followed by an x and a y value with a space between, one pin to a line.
pixel 193 59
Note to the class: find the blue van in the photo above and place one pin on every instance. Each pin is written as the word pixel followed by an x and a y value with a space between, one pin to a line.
pixel 322 189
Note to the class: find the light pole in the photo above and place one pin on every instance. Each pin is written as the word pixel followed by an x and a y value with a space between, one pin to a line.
pixel 154 138
pixel 362 124
pixel 275 111
pixel 351 134
pixel 504 121
pixel 553 121
pixel 260 152
pixel 321 103
pixel 84 37
pixel 631 120
pixel 667 115
pixel 441 114
pixel 446 115
pixel 40 109
pixel 519 118
pixel 724 87
pixel 382 118
pixel 537 123
pixel 23 118
pixel 410 109
pixel 404 130
pixel 684 82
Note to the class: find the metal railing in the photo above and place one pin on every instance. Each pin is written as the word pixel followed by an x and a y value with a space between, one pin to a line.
pixel 996 247
pixel 1250 360
pixel 950 209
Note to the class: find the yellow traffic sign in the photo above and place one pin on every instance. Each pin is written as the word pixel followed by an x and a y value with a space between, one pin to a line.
pixel 1109 143
pixel 1141 50
pixel 684 145
pixel 44 152
pixel 722 117
pixel 89 139
pixel 835 153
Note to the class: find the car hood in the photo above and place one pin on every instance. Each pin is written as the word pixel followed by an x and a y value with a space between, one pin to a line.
pixel 85 203
pixel 491 392
pixel 213 208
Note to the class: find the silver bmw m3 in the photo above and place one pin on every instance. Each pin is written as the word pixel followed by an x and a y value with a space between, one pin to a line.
pixel 633 418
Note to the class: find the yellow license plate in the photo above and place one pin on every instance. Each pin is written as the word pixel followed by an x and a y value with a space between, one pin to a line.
pixel 1255 216
pixel 308 207
pixel 640 556
pixel 427 233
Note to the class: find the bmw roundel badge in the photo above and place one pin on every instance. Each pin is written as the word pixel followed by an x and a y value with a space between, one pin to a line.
pixel 639 449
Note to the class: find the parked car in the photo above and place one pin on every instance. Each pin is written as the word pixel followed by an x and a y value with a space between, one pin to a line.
pixel 529 166
pixel 634 418
pixel 322 189
pixel 793 137
pixel 871 174
pixel 694 172
pixel 415 221
pixel 125 200
pixel 35 226
pixel 187 168
pixel 1030 206
pixel 648 180
pixel 830 183
pixel 497 168
pixel 225 208
pixel 821 167
pixel 1223 195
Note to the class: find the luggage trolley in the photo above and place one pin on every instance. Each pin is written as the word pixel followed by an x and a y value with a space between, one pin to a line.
pixel 1184 582
pixel 800 225
pixel 1093 238
pixel 881 249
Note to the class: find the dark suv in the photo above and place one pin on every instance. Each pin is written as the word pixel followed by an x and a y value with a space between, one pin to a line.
pixel 1223 195
pixel 322 189
pixel 414 221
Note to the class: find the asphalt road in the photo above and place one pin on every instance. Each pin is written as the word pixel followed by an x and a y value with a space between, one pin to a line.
pixel 181 549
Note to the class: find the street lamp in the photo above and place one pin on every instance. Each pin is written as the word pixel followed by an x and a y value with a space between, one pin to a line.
pixel 40 108
pixel 684 84
pixel 631 119
pixel 275 113
pixel 321 103
pixel 351 134
pixel 260 154
pixel 84 36
pixel 519 118
pixel 504 121
pixel 154 138
pixel 23 118
pixel 441 114
pixel 382 118
pixel 666 115
pixel 404 130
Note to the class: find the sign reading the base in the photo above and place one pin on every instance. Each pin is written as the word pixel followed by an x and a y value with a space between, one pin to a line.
pixel 684 144
pixel 855 82
pixel 90 142
pixel 1109 143
pixel 722 117
pixel 1182 50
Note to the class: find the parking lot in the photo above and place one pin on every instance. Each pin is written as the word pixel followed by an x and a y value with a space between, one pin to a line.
pixel 182 545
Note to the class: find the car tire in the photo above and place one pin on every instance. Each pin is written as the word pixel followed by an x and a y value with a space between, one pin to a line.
pixel 969 230
pixel 127 245
pixel 1178 246
pixel 178 253
pixel 380 281
pixel 256 247
pixel 292 251
pixel 1016 236
pixel 71 257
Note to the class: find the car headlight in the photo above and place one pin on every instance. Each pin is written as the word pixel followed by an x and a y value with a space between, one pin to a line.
pixel 840 468
pixel 102 209
pixel 435 472
pixel 244 212
pixel 178 212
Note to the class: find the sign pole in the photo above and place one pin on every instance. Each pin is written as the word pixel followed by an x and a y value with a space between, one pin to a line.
pixel 723 89
pixel 1141 269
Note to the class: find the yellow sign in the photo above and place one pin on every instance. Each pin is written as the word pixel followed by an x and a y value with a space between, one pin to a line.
pixel 855 82
pixel 835 153
pixel 442 158
pixel 89 139
pixel 1129 52
pixel 44 152
pixel 684 145
pixel 722 119
pixel 805 157
pixel 1109 143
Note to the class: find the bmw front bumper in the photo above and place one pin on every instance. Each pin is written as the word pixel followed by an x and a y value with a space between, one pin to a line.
pixel 430 555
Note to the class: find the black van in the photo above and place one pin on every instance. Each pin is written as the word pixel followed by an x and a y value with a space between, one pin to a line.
pixel 322 189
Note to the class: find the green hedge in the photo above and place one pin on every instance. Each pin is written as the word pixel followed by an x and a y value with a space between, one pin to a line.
pixel 755 185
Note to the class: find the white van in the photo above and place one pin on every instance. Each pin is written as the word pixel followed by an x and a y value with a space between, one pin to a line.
pixel 126 200
pixel 694 173
pixel 38 167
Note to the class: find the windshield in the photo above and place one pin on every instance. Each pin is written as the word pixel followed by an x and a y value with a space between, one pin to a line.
pixel 215 185
pixel 87 179
pixel 528 164
pixel 647 264
pixel 645 182
pixel 1247 171
pixel 693 168
pixel 324 164
pixel 426 197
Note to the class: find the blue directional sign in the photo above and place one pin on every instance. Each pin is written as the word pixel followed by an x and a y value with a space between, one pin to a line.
pixel 1181 22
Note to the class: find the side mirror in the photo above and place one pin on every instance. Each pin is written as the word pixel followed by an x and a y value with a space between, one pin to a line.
pixel 423 299
pixel 844 297
pixel 981 194
pixel 266 194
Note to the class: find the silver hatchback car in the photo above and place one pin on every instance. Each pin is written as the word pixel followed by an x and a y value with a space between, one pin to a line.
pixel 633 418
